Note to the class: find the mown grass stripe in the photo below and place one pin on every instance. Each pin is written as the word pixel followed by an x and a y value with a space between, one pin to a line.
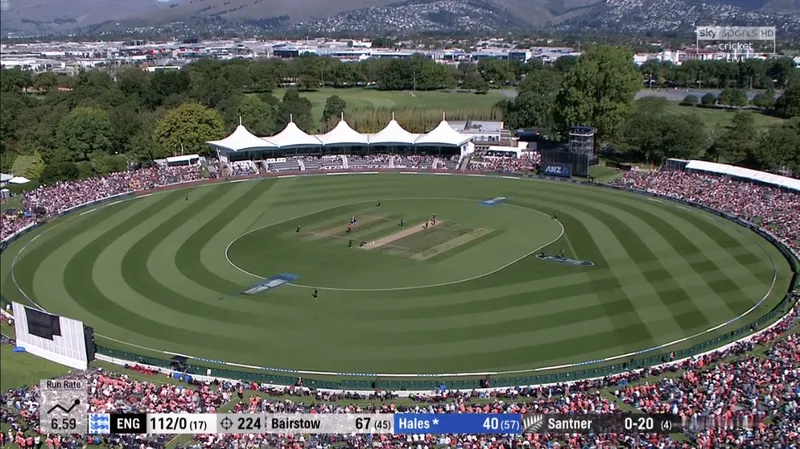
pixel 31 260
pixel 80 286
pixel 721 284
pixel 364 193
pixel 187 258
pixel 137 275
pixel 725 240
pixel 608 288
pixel 569 347
pixel 638 249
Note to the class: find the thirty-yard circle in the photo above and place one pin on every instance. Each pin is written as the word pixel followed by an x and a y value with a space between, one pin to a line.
pixel 387 242
pixel 204 271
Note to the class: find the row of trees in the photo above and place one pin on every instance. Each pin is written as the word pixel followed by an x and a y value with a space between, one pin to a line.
pixel 132 115
pixel 421 73
pixel 599 91
pixel 653 133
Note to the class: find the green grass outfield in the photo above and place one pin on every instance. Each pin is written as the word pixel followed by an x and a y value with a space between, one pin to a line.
pixel 153 272
pixel 718 117
pixel 360 98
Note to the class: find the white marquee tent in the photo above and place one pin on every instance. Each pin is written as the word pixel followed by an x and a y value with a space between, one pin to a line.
pixel 18 180
pixel 292 136
pixel 392 134
pixel 445 135
pixel 242 140
pixel 343 134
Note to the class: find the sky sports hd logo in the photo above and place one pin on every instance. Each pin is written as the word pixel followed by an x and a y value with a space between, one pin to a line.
pixel 737 40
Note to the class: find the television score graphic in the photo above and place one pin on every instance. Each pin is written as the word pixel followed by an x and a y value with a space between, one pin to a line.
pixel 64 406
pixel 387 424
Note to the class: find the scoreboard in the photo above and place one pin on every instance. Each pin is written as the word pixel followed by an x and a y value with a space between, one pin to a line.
pixel 363 423
pixel 65 409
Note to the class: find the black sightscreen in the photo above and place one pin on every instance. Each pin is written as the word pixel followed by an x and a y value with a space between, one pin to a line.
pixel 42 324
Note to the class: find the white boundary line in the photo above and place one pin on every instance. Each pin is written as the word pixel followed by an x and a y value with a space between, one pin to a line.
pixel 408 375
pixel 414 287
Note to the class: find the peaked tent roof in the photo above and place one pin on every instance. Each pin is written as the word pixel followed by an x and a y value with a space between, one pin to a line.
pixel 241 139
pixel 393 133
pixel 343 134
pixel 444 134
pixel 292 136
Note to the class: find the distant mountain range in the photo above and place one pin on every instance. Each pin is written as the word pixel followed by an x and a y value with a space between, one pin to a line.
pixel 60 16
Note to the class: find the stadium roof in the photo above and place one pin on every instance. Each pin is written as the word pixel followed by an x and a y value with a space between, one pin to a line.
pixel 444 134
pixel 292 136
pixel 745 173
pixel 241 140
pixel 343 134
pixel 393 133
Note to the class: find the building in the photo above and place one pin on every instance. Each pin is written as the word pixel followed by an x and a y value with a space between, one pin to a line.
pixel 443 140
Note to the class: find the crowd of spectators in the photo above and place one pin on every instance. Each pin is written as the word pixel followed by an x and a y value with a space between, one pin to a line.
pixel 504 163
pixel 772 208
pixel 733 398
pixel 47 201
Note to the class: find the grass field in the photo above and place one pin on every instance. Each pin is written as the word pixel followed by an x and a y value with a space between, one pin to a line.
pixel 357 98
pixel 713 117
pixel 164 273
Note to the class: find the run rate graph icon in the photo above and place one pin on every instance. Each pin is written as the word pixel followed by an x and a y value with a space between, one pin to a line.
pixel 65 406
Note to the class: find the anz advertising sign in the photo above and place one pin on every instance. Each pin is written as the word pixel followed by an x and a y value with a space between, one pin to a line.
pixel 560 170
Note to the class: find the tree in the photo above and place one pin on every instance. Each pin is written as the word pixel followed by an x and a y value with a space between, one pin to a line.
pixel 125 120
pixel 28 166
pixel 690 100
pixel 781 71
pixel 653 134
pixel 779 147
pixel 334 107
pixel 565 64
pixel 238 75
pixel 533 106
pixel 257 116
pixel 474 81
pixel 265 75
pixel 132 81
pixel 45 81
pixel 187 128
pixel 13 106
pixel 737 143
pixel 295 108
pixel 708 100
pixel 83 131
pixel 308 82
pixel 62 171
pixel 598 91
pixel 105 164
pixel 144 146
pixel 764 100
pixel 733 97
pixel 496 72
pixel 788 104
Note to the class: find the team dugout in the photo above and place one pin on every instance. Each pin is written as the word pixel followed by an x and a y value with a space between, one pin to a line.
pixel 342 139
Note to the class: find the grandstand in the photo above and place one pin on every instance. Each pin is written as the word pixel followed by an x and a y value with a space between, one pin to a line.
pixel 342 139
pixel 754 380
